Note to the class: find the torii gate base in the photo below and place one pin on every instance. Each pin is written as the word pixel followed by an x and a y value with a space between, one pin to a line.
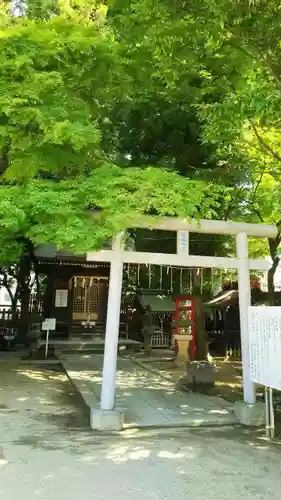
pixel 250 415
pixel 107 418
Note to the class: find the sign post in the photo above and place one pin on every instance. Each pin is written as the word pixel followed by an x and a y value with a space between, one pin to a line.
pixel 48 325
pixel 265 354
pixel 269 412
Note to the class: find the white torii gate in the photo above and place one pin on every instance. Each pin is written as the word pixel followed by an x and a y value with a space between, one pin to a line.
pixel 118 256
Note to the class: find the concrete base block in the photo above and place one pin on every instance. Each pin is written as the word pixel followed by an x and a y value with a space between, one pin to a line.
pixel 106 420
pixel 250 415
pixel 198 374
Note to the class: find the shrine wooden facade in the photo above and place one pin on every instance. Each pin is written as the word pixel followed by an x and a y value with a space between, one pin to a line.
pixel 75 294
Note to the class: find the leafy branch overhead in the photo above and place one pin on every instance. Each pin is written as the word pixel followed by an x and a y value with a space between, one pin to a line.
pixel 51 102
pixel 84 213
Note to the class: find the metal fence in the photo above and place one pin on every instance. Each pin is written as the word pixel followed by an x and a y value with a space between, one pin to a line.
pixel 233 350
pixel 6 314
pixel 160 339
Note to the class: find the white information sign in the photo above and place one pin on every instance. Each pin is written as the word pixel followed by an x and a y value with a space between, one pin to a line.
pixel 49 324
pixel 265 345
pixel 61 298
pixel 183 240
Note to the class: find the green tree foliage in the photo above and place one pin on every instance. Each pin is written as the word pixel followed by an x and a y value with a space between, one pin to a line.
pixel 158 125
pixel 138 89
pixel 82 215
pixel 60 79
pixel 52 104
pixel 245 120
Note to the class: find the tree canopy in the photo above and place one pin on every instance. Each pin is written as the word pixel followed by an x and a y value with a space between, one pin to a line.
pixel 62 79
pixel 110 110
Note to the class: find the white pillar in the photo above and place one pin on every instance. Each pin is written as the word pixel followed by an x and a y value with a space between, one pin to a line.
pixel 244 288
pixel 112 331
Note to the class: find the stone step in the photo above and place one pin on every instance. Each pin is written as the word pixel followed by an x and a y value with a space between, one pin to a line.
pixel 77 345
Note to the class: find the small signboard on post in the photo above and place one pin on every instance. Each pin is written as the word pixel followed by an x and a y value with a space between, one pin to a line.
pixel 49 324
pixel 265 353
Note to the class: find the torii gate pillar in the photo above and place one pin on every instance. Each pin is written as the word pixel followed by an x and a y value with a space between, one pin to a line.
pixel 244 287
pixel 107 417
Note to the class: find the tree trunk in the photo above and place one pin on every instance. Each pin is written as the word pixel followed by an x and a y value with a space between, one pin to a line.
pixel 273 245
pixel 200 332
pixel 24 276
pixel 14 321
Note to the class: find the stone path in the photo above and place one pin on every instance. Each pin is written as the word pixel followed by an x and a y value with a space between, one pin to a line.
pixel 146 399
pixel 47 451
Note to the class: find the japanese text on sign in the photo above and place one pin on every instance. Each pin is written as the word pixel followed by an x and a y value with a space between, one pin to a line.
pixel 265 345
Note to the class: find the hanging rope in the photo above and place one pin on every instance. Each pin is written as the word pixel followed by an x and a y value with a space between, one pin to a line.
pixel 201 280
pixel 181 271
pixel 161 277
pixel 171 279
pixel 190 282
pixel 128 271
pixel 149 275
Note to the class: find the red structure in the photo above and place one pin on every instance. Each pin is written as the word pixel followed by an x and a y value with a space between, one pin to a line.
pixel 185 310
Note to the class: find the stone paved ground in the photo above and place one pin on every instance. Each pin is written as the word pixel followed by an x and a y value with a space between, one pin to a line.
pixel 228 374
pixel 48 452
pixel 146 398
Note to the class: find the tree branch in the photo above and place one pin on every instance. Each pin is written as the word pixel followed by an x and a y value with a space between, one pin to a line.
pixel 259 214
pixel 9 292
pixel 232 203
pixel 264 145
pixel 257 185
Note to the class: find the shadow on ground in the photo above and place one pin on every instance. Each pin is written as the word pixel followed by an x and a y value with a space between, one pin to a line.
pixel 59 419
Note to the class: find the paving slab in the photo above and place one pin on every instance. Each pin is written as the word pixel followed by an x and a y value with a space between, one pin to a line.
pixel 146 398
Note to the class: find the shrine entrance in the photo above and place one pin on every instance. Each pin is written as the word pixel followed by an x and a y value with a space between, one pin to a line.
pixel 88 298
pixel 118 256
